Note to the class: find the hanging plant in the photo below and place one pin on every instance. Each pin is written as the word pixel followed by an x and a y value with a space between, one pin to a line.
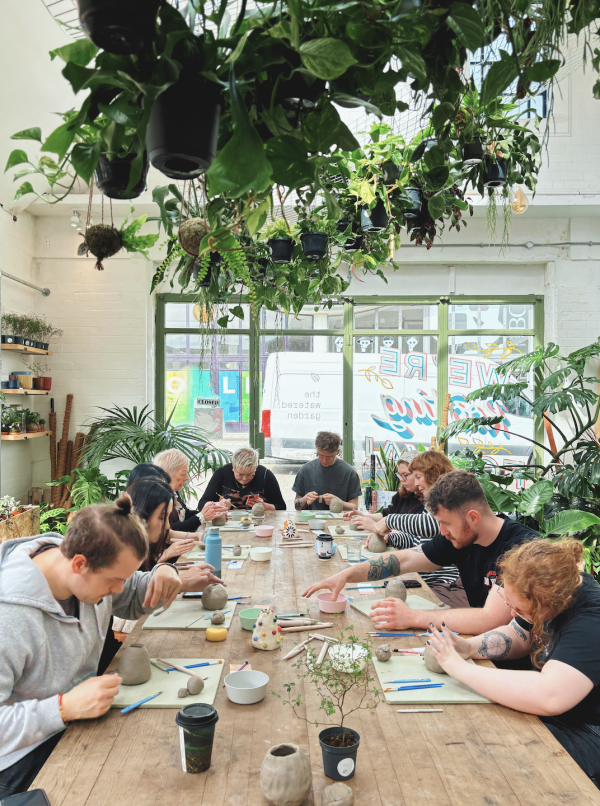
pixel 103 241
pixel 191 234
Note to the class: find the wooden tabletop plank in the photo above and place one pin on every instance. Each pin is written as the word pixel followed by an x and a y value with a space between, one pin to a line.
pixel 478 755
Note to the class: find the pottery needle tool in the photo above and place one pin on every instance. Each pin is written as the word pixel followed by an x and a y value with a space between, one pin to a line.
pixel 233 598
pixel 175 668
pixel 291 615
pixel 193 665
pixel 298 648
pixel 391 634
pixel 420 711
pixel 414 688
pixel 239 669
pixel 140 702
pixel 305 629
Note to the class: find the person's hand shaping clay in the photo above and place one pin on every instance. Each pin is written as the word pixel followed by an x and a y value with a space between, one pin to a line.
pixel 311 497
pixel 163 586
pixel 381 527
pixel 391 614
pixel 376 544
pixel 177 548
pixel 431 662
pixel 92 698
pixel 363 522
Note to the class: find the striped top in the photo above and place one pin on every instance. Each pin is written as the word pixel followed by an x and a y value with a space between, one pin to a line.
pixel 412 530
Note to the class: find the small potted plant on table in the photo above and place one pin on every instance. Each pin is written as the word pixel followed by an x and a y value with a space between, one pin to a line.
pixel 344 684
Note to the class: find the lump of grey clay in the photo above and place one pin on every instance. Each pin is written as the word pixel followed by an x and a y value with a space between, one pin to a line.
pixel 431 662
pixel 339 530
pixel 376 544
pixel 214 597
pixel 134 665
pixel 258 510
pixel 183 692
pixel 237 550
pixel 195 684
pixel 336 506
pixel 337 794
pixel 396 589
pixel 221 520
pixel 217 617
pixel 383 652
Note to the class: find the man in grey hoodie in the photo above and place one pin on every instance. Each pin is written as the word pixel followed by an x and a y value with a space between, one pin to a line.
pixel 56 598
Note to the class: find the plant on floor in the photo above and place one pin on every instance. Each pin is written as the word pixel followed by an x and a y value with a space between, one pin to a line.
pixel 53 519
pixel 88 486
pixel 137 436
pixel 565 488
pixel 344 684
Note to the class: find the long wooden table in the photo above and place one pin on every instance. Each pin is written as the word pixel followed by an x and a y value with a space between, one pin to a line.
pixel 480 755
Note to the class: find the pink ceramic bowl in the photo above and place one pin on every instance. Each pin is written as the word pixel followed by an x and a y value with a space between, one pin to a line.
pixel 327 606
pixel 263 531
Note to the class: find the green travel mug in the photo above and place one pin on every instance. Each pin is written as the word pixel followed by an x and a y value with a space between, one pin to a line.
pixel 196 724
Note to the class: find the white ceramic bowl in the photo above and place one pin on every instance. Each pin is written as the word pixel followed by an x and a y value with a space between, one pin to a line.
pixel 237 514
pixel 246 687
pixel 317 524
pixel 260 554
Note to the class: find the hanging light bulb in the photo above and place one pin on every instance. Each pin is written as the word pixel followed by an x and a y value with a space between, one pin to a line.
pixel 519 202
pixel 76 219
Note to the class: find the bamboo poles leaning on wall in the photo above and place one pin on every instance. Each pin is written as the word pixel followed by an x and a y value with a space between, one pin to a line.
pixel 64 457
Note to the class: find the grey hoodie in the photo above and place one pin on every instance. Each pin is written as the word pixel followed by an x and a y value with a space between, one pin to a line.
pixel 44 652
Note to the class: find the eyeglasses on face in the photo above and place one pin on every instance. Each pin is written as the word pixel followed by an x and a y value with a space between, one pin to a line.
pixel 404 476
pixel 502 595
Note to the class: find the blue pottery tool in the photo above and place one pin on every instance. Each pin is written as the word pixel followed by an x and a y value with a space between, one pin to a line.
pixel 418 680
pixel 140 702
pixel 414 688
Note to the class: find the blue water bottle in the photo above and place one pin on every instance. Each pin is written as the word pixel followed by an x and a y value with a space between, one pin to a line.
pixel 214 545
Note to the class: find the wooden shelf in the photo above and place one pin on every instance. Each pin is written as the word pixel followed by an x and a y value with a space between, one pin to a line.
pixel 32 435
pixel 20 348
pixel 25 392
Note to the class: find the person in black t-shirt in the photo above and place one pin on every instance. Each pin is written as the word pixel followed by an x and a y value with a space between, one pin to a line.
pixel 556 611
pixel 472 538
pixel 243 483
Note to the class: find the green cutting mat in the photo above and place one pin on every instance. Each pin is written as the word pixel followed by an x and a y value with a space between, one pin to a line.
pixel 227 554
pixel 170 683
pixel 414 602
pixel 187 615
pixel 409 667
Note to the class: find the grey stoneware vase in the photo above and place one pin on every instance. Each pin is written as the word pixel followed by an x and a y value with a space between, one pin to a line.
pixel 134 665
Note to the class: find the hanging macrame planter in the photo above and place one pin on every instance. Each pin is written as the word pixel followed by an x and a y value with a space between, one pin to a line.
pixel 191 234
pixel 102 240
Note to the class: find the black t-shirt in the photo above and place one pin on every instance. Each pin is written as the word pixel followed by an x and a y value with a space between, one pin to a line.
pixel 223 484
pixel 575 640
pixel 477 565
pixel 404 505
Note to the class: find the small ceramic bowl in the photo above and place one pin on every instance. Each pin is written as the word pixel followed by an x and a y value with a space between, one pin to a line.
pixel 327 606
pixel 263 531
pixel 246 687
pixel 307 516
pixel 317 524
pixel 248 617
pixel 237 514
pixel 260 554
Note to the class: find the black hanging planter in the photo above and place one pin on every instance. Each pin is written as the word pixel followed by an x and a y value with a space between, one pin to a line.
pixel 263 266
pixel 112 177
pixel 472 153
pixel 391 172
pixel 375 220
pixel 122 27
pixel 339 763
pixel 416 197
pixel 494 173
pixel 295 93
pixel 282 249
pixel 354 244
pixel 314 245
pixel 342 226
pixel 183 128
pixel 214 263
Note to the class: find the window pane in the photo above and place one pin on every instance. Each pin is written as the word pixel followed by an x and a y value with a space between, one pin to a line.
pixel 308 319
pixel 472 362
pixel 395 397
pixel 395 317
pixel 189 315
pixel 487 317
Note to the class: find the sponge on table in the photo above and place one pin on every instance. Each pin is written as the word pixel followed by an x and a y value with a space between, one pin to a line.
pixel 216 633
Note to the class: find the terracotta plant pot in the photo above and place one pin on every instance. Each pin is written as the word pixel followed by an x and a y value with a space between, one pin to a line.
pixel 47 383
pixel 119 27
pixel 285 775
pixel 38 383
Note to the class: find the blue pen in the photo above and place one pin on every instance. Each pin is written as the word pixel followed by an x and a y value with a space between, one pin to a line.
pixel 415 688
pixel 209 617
pixel 418 680
pixel 139 702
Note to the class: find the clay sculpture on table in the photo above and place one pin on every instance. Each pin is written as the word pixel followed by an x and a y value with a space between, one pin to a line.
pixel 183 692
pixel 376 544
pixel 217 617
pixel 134 665
pixel 396 589
pixel 237 550
pixel 195 684
pixel 336 506
pixel 285 775
pixel 258 510
pixel 337 794
pixel 214 597
pixel 266 633
pixel 431 662
pixel 339 530
pixel 246 520
pixel 220 520
pixel 289 531
pixel 383 652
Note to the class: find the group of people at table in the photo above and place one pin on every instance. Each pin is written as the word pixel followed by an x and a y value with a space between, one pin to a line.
pixel 532 608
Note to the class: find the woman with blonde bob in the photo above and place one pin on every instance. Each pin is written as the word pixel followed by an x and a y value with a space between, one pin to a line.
pixel 556 609
pixel 243 483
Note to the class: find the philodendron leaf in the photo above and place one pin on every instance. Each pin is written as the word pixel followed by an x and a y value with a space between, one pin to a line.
pixel 326 58
pixel 534 497
pixel 500 75
pixel 16 157
pixel 35 133
pixel 84 159
pixel 290 167
pixel 499 500
pixel 23 190
pixel 543 71
pixel 80 52
pixel 467 25
pixel 568 521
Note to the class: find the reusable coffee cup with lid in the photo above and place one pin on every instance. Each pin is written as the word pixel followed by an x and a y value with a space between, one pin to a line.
pixel 324 546
pixel 196 723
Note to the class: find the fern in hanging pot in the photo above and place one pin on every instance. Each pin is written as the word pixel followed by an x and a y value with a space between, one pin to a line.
pixel 104 240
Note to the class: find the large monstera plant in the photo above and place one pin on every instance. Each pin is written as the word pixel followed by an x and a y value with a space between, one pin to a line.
pixel 564 488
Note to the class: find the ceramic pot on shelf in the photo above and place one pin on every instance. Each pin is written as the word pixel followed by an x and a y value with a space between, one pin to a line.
pixel 285 775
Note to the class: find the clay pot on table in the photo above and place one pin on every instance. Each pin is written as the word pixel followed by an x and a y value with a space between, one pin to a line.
pixel 134 665
pixel 336 506
pixel 396 589
pixel 285 775
pixel 214 597
pixel 431 662
pixel 221 520
pixel 376 544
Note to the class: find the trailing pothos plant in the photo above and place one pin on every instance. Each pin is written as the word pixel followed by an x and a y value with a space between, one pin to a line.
pixel 565 487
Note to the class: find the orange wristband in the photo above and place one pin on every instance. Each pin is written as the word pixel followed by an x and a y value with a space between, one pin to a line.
pixel 61 709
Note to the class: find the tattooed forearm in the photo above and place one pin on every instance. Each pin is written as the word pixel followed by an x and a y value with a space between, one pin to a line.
pixel 495 645
pixel 519 630
pixel 417 549
pixel 383 567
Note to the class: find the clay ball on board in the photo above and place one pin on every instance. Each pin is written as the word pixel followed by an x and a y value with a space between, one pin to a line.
pixel 339 530
pixel 217 617
pixel 195 684
pixel 396 589
pixel 214 597
pixel 376 544
pixel 431 662
pixel 337 794
pixel 183 692
pixel 237 550
pixel 383 652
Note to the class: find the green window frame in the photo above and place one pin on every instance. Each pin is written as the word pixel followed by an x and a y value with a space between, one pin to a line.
pixel 349 332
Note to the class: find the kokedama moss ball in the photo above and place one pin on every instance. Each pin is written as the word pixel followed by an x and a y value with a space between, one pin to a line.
pixel 103 241
pixel 191 233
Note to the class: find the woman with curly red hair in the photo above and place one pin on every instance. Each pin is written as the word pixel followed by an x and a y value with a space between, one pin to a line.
pixel 556 620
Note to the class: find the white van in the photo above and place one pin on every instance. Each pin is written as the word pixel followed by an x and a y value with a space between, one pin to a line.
pixel 395 404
